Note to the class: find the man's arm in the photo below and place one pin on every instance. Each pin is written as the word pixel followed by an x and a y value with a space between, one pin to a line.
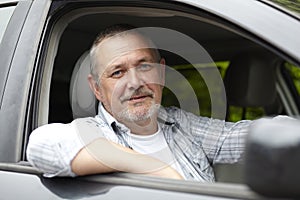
pixel 58 150
pixel 221 142
pixel 103 156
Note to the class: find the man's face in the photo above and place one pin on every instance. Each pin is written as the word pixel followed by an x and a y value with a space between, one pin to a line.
pixel 130 77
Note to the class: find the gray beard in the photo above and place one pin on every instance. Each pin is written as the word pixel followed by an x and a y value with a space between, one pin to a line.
pixel 127 116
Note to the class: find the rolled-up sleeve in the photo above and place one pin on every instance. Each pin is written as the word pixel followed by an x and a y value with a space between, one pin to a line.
pixel 52 147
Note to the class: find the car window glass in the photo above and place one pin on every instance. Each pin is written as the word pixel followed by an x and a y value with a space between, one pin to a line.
pixel 5 14
pixel 292 5
pixel 294 73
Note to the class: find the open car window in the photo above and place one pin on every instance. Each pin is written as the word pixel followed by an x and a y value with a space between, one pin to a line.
pixel 218 47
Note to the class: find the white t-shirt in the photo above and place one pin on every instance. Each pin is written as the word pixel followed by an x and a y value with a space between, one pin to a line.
pixel 155 145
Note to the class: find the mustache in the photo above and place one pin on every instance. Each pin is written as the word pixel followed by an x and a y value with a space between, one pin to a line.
pixel 140 92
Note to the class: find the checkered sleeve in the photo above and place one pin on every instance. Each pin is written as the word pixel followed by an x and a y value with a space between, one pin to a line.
pixel 222 142
pixel 230 140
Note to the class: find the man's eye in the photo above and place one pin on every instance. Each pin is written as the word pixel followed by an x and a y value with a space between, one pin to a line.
pixel 117 74
pixel 145 67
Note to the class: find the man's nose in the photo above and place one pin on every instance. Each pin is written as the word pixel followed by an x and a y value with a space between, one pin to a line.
pixel 134 79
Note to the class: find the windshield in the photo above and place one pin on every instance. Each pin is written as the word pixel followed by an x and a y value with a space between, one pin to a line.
pixel 292 5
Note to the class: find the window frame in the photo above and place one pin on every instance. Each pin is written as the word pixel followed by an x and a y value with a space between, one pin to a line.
pixel 9 39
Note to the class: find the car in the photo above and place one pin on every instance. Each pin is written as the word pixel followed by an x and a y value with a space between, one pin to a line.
pixel 231 60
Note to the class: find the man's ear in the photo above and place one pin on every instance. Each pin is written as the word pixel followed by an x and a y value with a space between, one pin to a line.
pixel 94 87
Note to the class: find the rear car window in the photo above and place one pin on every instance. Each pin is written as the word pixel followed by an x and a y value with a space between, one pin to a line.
pixel 294 73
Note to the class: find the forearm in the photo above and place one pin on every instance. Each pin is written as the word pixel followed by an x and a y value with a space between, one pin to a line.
pixel 59 150
pixel 103 156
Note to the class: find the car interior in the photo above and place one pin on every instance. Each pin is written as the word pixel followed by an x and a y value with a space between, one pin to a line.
pixel 253 73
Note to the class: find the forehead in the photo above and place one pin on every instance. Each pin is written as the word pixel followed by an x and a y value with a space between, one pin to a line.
pixel 115 47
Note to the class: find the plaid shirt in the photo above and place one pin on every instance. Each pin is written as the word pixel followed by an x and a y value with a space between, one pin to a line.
pixel 196 142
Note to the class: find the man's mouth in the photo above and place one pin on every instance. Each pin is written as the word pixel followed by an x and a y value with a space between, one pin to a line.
pixel 139 98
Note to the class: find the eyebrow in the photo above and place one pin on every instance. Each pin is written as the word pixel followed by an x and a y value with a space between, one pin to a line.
pixel 119 65
pixel 114 67
pixel 145 59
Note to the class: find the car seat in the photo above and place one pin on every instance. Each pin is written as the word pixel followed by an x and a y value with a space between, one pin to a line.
pixel 82 100
pixel 250 81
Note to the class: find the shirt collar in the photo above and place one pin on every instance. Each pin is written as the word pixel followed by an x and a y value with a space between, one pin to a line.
pixel 105 115
pixel 164 117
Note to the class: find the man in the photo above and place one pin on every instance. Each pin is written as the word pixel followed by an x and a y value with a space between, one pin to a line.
pixel 132 133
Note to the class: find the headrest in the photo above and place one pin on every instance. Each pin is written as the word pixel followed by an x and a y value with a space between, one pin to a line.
pixel 250 79
pixel 82 99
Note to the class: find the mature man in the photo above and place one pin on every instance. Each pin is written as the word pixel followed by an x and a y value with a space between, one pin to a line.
pixel 132 132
